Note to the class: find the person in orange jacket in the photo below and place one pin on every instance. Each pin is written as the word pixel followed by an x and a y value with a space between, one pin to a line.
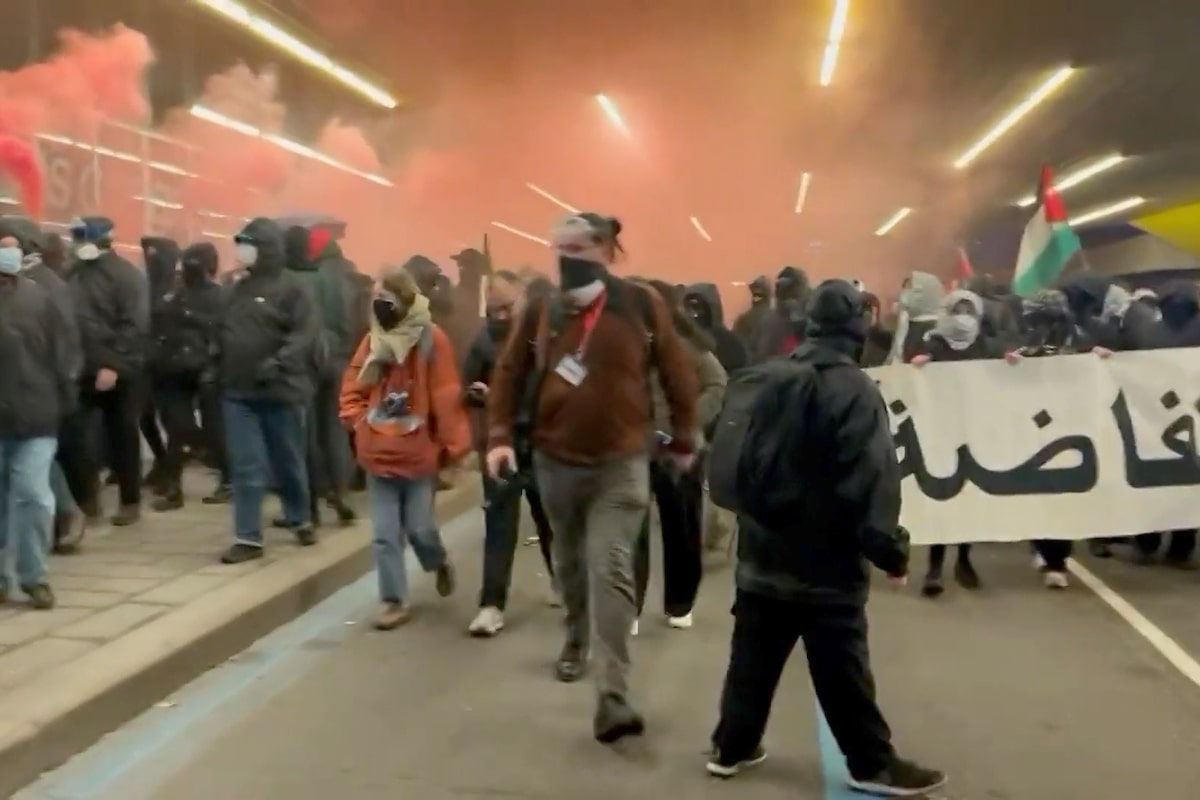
pixel 402 398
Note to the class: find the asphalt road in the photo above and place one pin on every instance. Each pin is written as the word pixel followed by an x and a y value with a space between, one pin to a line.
pixel 1018 692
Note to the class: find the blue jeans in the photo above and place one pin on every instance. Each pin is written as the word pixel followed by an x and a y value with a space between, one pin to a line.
pixel 26 507
pixel 265 439
pixel 402 509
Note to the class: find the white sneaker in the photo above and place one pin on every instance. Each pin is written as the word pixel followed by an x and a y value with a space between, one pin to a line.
pixel 633 630
pixel 1039 563
pixel 488 622
pixel 1056 580
pixel 683 623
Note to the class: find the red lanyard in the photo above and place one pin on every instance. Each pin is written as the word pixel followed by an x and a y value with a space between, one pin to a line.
pixel 589 318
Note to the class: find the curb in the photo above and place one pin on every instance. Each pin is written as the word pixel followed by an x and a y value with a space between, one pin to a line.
pixel 68 709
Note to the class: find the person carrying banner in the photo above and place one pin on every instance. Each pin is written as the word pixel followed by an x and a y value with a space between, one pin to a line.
pixel 920 300
pixel 1050 330
pixel 957 335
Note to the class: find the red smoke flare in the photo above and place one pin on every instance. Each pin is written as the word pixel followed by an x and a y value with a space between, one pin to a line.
pixel 19 159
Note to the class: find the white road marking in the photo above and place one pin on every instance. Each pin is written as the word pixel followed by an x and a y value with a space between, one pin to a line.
pixel 1160 641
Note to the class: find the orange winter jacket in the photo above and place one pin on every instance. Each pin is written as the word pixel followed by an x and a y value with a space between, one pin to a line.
pixel 435 432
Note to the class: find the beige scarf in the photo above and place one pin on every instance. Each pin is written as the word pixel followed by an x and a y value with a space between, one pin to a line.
pixel 392 347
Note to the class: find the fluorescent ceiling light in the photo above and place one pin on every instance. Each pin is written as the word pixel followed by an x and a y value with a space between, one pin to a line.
pixel 238 14
pixel 1019 112
pixel 521 233
pixel 1114 208
pixel 1078 176
pixel 612 112
pixel 208 115
pixel 805 180
pixel 119 155
pixel 9 201
pixel 154 201
pixel 833 44
pixel 552 198
pixel 700 230
pixel 212 235
pixel 893 221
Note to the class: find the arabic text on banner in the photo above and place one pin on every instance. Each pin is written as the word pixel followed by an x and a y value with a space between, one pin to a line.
pixel 1066 447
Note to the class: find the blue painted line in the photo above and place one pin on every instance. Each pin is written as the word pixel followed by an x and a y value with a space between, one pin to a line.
pixel 833 763
pixel 279 654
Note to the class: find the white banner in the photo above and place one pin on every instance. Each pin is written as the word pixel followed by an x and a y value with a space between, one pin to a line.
pixel 1066 447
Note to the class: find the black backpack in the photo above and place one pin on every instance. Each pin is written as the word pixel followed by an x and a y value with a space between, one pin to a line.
pixel 756 462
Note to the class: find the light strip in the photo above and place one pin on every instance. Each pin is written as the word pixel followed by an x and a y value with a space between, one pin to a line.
pixel 612 112
pixel 1078 176
pixel 700 230
pixel 9 201
pixel 119 155
pixel 805 180
pixel 218 215
pixel 217 118
pixel 212 235
pixel 833 44
pixel 1114 208
pixel 893 221
pixel 1022 109
pixel 521 233
pixel 539 190
pixel 240 15
pixel 154 201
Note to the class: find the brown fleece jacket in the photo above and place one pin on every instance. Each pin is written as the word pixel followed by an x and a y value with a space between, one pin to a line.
pixel 608 416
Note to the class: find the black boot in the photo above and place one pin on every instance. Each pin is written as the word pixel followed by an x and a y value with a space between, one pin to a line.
pixel 965 574
pixel 345 513
pixel 933 586
pixel 171 499
pixel 616 719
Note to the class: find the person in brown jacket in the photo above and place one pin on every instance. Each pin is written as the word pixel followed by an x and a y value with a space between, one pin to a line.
pixel 402 397
pixel 582 361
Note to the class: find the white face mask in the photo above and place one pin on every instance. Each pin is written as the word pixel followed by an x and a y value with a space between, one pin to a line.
pixel 10 260
pixel 88 251
pixel 247 255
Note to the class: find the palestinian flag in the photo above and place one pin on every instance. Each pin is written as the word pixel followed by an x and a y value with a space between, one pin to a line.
pixel 1048 244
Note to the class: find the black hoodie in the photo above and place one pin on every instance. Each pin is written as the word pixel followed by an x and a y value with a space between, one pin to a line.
pixel 269 327
pixel 161 255
pixel 703 301
pixel 112 304
pixel 1179 302
pixel 784 328
pixel 187 322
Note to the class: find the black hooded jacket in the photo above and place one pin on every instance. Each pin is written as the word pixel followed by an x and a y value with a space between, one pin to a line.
pixel 851 510
pixel 786 324
pixel 749 324
pixel 112 306
pixel 269 327
pixel 161 255
pixel 728 348
pixel 187 321
pixel 1085 300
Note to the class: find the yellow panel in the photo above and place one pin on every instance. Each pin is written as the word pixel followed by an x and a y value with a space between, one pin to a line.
pixel 1180 226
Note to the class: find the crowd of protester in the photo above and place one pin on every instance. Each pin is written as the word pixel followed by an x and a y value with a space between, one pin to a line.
pixel 588 394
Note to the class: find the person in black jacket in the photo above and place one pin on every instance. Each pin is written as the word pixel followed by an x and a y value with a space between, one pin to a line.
pixel 502 497
pixel 183 352
pixel 111 299
pixel 783 329
pixel 269 329
pixel 957 335
pixel 161 256
pixel 39 360
pixel 749 325
pixel 703 303
pixel 810 582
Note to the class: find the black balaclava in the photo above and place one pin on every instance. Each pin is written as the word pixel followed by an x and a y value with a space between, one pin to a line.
pixel 295 247
pixel 1179 303
pixel 698 310
pixel 199 264
pixel 760 292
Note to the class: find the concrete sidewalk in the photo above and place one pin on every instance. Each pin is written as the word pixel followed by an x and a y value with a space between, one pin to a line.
pixel 143 610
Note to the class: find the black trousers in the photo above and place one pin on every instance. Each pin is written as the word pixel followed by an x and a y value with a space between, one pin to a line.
pixel 835 640
pixel 1180 546
pixel 148 423
pixel 328 453
pixel 937 555
pixel 502 530
pixel 179 397
pixel 680 501
pixel 120 410
pixel 1054 552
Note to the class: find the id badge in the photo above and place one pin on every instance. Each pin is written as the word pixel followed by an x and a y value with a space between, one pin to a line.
pixel 571 370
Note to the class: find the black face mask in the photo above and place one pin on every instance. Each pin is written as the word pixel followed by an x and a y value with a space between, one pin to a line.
pixel 194 273
pixel 386 313
pixel 577 272
pixel 498 329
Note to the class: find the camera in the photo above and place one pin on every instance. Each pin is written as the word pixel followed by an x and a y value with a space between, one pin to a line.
pixel 395 404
